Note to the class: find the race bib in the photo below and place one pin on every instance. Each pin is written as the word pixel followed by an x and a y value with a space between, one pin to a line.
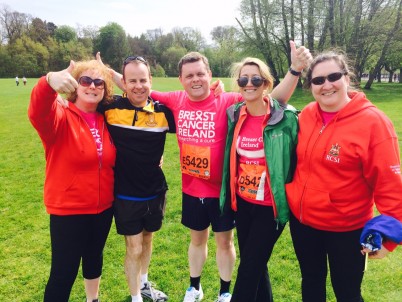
pixel 196 160
pixel 251 181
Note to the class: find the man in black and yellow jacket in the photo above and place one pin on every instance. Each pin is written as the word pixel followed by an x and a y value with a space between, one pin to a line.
pixel 138 127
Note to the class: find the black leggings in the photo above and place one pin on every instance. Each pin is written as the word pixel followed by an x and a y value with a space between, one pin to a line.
pixel 257 232
pixel 314 248
pixel 75 237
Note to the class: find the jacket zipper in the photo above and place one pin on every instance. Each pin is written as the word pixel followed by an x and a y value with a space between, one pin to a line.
pixel 100 166
pixel 305 183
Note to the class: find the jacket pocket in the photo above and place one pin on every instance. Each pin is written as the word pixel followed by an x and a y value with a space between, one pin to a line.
pixel 82 191
pixel 317 210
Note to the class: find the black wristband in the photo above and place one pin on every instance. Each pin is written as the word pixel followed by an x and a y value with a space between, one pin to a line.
pixel 294 72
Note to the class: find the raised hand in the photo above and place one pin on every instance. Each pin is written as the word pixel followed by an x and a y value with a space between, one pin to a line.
pixel 62 81
pixel 98 58
pixel 117 77
pixel 301 57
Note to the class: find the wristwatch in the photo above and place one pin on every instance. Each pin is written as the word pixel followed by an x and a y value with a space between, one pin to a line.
pixel 294 72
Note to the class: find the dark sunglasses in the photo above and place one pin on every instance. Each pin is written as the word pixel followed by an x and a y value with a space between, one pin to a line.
pixel 87 81
pixel 332 77
pixel 135 58
pixel 256 81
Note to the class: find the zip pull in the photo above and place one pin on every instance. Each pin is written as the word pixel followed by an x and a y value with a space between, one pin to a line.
pixel 202 200
pixel 322 129
pixel 135 117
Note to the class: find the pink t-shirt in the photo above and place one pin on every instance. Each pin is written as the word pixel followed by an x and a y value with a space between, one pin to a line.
pixel 91 120
pixel 327 116
pixel 252 184
pixel 201 129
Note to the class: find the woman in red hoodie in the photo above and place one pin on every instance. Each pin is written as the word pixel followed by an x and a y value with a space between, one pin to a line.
pixel 78 190
pixel 348 161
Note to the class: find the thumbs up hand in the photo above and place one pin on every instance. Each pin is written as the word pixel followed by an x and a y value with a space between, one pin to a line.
pixel 301 57
pixel 62 81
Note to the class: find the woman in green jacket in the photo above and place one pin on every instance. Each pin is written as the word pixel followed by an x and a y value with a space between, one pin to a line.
pixel 259 160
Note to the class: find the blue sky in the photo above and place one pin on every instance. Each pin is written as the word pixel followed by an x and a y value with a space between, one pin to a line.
pixel 135 16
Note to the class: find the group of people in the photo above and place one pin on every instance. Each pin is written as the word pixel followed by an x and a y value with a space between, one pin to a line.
pixel 17 80
pixel 248 160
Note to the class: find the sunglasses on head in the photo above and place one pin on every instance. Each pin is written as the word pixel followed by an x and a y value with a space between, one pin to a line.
pixel 256 81
pixel 134 58
pixel 332 77
pixel 87 81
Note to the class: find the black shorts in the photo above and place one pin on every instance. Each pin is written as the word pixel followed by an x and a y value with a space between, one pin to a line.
pixel 198 213
pixel 132 217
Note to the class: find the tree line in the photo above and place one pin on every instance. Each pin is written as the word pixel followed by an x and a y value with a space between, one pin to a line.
pixel 369 31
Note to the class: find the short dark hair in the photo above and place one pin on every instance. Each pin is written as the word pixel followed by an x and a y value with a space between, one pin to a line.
pixel 192 57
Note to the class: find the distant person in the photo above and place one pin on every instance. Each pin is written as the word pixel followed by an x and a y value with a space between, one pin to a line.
pixel 80 158
pixel 347 162
pixel 17 80
pixel 24 80
pixel 259 160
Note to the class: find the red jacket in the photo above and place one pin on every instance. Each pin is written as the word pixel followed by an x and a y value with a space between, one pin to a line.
pixel 77 181
pixel 345 168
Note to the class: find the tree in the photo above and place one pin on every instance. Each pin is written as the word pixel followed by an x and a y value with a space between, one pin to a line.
pixel 86 35
pixel 65 34
pixel 226 50
pixel 261 30
pixel 30 58
pixel 51 28
pixel 38 31
pixel 14 24
pixel 158 71
pixel 391 34
pixel 188 38
pixel 362 28
pixel 112 43
pixel 170 58
pixel 6 63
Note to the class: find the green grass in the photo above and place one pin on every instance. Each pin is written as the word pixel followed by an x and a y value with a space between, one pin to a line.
pixel 24 234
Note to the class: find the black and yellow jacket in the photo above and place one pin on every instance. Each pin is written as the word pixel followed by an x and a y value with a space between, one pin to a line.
pixel 139 134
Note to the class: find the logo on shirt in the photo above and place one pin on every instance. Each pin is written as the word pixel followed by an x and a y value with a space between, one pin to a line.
pixel 195 126
pixel 151 120
pixel 396 169
pixel 333 154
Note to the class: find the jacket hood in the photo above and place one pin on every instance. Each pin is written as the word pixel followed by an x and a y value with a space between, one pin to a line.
pixel 357 103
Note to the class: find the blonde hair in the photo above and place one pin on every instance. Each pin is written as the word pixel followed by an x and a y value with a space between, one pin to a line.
pixel 262 67
pixel 103 70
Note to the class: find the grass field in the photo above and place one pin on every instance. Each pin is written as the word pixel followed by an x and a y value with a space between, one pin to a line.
pixel 24 234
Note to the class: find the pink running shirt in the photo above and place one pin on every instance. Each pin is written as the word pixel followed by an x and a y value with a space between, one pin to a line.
pixel 252 182
pixel 91 120
pixel 201 129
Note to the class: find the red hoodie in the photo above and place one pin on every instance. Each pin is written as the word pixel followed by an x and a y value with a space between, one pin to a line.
pixel 77 181
pixel 346 167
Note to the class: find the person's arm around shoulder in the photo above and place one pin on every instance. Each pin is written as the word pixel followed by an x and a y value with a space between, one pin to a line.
pixel 301 58
pixel 117 77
